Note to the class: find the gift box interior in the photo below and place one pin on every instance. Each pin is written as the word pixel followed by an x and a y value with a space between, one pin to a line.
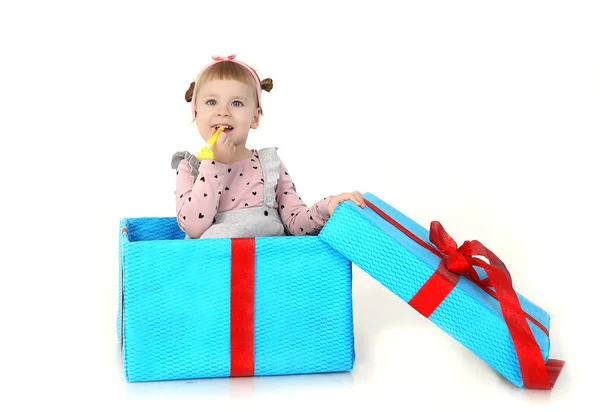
pixel 175 314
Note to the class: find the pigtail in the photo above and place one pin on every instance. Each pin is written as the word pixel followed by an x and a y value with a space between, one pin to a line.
pixel 266 84
pixel 190 92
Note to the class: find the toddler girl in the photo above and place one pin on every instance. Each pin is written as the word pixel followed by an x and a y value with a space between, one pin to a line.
pixel 242 192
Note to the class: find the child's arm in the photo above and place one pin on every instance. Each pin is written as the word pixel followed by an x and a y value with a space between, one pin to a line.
pixel 197 203
pixel 297 217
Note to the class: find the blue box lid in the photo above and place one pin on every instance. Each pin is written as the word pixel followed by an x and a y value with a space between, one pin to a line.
pixel 403 265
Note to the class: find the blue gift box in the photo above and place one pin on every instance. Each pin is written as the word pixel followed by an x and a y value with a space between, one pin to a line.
pixel 468 313
pixel 175 314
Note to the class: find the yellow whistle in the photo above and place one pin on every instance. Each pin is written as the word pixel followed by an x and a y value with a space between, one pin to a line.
pixel 205 153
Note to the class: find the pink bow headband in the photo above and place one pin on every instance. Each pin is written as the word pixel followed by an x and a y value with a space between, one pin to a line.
pixel 230 58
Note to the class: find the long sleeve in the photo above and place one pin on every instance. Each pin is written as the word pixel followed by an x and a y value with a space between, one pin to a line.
pixel 298 218
pixel 197 202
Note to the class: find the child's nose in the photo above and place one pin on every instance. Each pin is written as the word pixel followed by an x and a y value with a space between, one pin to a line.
pixel 223 111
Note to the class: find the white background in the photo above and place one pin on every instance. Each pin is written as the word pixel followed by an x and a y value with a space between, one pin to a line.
pixel 481 115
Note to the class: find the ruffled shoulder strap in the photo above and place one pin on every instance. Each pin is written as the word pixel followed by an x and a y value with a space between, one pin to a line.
pixel 270 165
pixel 192 160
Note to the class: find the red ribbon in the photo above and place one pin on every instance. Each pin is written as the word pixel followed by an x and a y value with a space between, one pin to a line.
pixel 461 261
pixel 242 306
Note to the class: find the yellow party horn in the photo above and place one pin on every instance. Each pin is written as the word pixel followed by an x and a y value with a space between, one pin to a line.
pixel 205 153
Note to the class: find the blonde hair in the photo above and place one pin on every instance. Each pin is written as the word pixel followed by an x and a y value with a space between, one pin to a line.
pixel 227 70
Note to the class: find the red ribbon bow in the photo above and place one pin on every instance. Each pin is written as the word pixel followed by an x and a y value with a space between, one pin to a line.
pixel 462 260
pixel 457 261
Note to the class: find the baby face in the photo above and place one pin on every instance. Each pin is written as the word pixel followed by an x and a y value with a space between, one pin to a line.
pixel 227 103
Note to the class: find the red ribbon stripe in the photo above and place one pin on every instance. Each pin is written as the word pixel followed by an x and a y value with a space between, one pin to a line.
pixel 242 306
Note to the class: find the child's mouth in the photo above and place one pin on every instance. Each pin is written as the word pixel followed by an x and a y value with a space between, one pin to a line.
pixel 226 128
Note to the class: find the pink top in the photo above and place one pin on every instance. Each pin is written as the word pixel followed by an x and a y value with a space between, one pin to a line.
pixel 221 187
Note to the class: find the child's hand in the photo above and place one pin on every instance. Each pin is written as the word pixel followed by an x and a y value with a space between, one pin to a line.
pixel 356 197
pixel 224 150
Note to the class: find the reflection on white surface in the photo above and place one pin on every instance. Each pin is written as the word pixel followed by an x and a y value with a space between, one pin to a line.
pixel 240 387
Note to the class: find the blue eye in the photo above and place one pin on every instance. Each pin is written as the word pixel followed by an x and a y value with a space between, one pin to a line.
pixel 237 103
pixel 211 102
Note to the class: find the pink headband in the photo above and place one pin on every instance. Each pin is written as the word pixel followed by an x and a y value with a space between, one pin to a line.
pixel 229 58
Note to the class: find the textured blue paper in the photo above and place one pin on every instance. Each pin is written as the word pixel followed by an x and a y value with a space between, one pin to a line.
pixel 468 314
pixel 176 294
